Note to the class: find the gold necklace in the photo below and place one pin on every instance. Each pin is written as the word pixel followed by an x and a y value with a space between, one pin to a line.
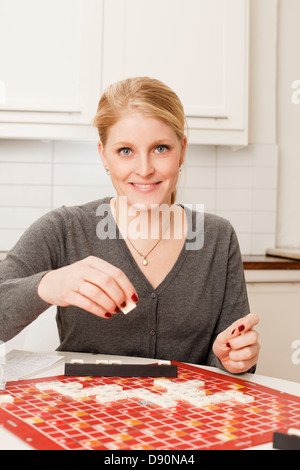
pixel 145 260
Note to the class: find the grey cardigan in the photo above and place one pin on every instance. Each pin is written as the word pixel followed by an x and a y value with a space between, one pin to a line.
pixel 179 320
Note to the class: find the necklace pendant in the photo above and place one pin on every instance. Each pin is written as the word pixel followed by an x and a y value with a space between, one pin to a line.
pixel 145 262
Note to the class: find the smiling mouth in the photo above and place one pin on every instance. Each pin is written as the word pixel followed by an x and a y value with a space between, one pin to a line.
pixel 144 186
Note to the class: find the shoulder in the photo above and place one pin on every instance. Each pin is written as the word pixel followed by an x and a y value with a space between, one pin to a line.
pixel 199 220
pixel 215 223
pixel 88 209
pixel 82 212
pixel 220 234
pixel 208 231
pixel 56 222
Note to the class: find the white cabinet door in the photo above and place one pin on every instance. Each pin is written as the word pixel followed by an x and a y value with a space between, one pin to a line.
pixel 278 306
pixel 50 67
pixel 198 47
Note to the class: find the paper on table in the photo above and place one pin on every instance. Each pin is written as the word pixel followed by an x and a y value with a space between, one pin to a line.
pixel 20 364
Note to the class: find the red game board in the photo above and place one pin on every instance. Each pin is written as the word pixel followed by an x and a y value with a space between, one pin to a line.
pixel 50 420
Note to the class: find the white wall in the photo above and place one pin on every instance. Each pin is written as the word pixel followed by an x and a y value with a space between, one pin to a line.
pixel 288 228
pixel 38 176
pixel 239 184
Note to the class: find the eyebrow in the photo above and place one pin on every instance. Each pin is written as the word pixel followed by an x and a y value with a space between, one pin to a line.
pixel 122 144
pixel 165 140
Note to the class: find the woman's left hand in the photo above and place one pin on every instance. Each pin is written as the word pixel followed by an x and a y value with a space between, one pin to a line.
pixel 237 347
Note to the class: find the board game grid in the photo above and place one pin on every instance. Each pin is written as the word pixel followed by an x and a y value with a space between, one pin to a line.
pixel 49 420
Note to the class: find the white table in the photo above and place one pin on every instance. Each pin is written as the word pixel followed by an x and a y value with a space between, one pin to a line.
pixel 10 442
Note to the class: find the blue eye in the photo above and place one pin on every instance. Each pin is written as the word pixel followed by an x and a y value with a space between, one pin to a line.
pixel 125 152
pixel 161 148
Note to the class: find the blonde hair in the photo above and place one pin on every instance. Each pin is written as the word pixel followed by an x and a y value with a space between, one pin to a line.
pixel 146 95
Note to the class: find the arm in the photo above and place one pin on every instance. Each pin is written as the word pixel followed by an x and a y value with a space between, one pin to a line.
pixel 43 270
pixel 237 347
pixel 20 274
pixel 234 346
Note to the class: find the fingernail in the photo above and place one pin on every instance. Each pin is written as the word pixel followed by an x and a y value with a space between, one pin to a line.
pixel 241 328
pixel 134 298
pixel 228 345
pixel 117 309
pixel 123 305
pixel 233 332
pixel 108 315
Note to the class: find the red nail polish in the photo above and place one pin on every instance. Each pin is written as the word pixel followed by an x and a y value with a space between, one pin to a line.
pixel 241 328
pixel 123 305
pixel 108 315
pixel 134 299
pixel 233 332
pixel 117 309
pixel 228 345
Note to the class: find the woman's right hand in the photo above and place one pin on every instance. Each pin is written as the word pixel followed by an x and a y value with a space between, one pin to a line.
pixel 91 284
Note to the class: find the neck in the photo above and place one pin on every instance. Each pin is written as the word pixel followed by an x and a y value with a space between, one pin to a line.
pixel 137 222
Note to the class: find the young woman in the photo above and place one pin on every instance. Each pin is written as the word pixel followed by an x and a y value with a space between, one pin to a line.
pixel 90 260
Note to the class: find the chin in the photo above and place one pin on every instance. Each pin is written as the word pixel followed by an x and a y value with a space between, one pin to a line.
pixel 147 203
pixel 147 200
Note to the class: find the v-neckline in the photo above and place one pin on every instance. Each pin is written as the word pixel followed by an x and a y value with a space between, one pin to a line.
pixel 171 274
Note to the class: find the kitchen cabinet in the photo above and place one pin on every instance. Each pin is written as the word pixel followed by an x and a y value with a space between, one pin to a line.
pixel 50 73
pixel 275 296
pixel 59 55
pixel 198 47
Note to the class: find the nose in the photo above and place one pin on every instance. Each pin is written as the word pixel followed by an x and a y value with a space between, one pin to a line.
pixel 144 166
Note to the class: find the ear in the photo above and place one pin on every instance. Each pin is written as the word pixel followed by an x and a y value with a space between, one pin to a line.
pixel 102 156
pixel 184 145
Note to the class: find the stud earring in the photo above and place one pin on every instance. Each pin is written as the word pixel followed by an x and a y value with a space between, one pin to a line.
pixel 107 172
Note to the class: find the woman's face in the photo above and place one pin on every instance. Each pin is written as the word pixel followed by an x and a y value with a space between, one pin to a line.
pixel 143 155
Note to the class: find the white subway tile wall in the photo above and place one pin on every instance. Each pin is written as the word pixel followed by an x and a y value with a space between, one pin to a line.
pixel 238 184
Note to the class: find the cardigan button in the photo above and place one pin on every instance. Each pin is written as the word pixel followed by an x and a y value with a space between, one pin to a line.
pixel 152 332
pixel 153 295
